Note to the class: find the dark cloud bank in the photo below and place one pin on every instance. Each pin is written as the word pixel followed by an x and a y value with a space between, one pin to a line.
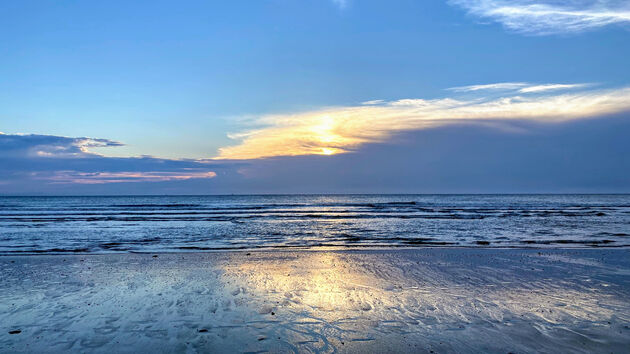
pixel 590 156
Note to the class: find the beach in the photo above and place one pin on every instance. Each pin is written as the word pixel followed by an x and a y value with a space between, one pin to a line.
pixel 330 176
pixel 327 300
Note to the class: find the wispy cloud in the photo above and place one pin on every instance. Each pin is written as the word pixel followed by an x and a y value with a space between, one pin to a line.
pixel 120 177
pixel 372 102
pixel 552 87
pixel 342 129
pixel 549 16
pixel 487 87
pixel 522 87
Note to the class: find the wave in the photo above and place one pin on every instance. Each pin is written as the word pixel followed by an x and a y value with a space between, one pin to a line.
pixel 146 224
pixel 155 205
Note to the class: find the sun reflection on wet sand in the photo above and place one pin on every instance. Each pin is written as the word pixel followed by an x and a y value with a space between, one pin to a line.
pixel 357 298
pixel 320 282
pixel 443 300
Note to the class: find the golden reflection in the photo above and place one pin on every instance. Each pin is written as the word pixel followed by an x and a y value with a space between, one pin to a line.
pixel 332 286
pixel 321 282
pixel 315 301
pixel 342 129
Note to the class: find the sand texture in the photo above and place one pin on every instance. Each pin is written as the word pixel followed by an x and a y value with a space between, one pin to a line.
pixel 414 300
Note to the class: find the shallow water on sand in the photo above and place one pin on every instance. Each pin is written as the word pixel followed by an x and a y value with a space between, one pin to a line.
pixel 190 223
pixel 420 300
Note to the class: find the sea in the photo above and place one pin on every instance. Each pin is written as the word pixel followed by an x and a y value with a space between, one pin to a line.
pixel 111 224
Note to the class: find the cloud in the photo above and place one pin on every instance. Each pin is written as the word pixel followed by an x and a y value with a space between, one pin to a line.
pixel 522 87
pixel 549 16
pixel 551 87
pixel 50 146
pixel 337 130
pixel 372 102
pixel 491 138
pixel 121 177
pixel 65 160
pixel 577 156
pixel 488 87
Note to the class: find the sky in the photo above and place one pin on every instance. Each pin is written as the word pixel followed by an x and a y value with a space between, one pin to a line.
pixel 314 96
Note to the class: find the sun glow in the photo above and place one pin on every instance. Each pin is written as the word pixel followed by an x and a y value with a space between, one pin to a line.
pixel 343 129
pixel 327 151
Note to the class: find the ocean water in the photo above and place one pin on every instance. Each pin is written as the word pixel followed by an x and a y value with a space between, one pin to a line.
pixel 194 223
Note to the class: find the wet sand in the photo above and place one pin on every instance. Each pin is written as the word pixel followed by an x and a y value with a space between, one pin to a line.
pixel 412 300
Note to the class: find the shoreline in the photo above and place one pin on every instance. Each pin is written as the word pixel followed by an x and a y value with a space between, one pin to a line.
pixel 327 248
pixel 425 299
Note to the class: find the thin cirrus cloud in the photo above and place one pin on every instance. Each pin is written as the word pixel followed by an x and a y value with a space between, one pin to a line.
pixel 122 177
pixel 551 87
pixel 549 16
pixel 501 86
pixel 522 87
pixel 343 129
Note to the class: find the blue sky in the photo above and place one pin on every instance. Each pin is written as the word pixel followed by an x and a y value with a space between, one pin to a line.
pixel 237 83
